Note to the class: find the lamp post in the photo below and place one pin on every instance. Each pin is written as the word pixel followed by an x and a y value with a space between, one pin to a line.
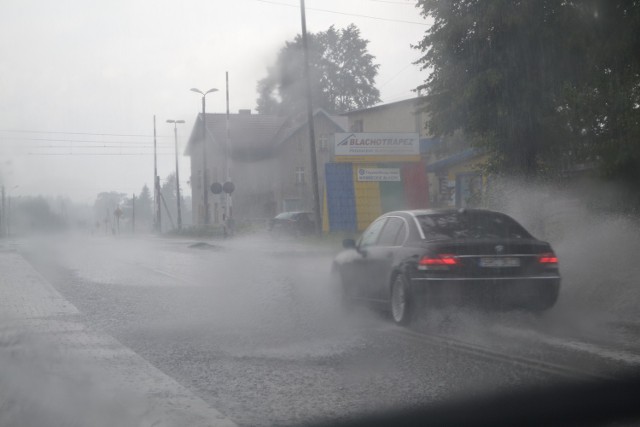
pixel 175 134
pixel 205 181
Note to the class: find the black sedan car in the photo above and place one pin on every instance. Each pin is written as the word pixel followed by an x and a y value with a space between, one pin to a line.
pixel 408 259
pixel 292 224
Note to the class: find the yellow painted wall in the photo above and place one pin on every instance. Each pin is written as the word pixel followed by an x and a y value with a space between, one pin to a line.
pixel 325 213
pixel 367 196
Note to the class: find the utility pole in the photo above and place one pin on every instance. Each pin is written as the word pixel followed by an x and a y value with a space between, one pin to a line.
pixel 133 214
pixel 156 180
pixel 117 213
pixel 175 133
pixel 3 216
pixel 314 164
pixel 227 152
pixel 9 215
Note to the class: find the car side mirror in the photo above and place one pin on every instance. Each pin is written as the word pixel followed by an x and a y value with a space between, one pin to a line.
pixel 349 244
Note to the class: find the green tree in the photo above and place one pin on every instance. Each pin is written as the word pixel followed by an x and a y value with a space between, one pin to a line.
pixel 342 74
pixel 499 69
pixel 106 203
pixel 605 110
pixel 34 214
pixel 144 211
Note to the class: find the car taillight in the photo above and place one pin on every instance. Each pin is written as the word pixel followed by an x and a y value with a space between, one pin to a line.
pixel 548 258
pixel 438 262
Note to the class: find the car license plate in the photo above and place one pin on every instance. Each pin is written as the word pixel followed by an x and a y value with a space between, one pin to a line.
pixel 500 262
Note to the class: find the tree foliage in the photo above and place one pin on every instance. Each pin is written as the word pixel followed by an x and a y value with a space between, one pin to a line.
pixel 342 74
pixel 606 110
pixel 144 203
pixel 169 194
pixel 543 85
pixel 106 203
pixel 34 214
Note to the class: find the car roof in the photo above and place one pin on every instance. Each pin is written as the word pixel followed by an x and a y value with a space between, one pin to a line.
pixel 287 214
pixel 418 212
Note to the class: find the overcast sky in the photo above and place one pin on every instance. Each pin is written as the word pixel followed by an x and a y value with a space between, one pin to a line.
pixel 96 72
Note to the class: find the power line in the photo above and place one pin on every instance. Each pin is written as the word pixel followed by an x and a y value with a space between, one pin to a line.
pixel 77 147
pixel 80 133
pixel 395 75
pixel 345 13
pixel 98 154
pixel 82 141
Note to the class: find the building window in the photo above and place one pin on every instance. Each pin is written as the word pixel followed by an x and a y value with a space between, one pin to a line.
pixel 323 142
pixel 357 126
pixel 300 175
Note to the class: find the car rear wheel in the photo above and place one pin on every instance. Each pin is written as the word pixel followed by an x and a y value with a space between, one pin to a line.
pixel 400 303
pixel 542 306
pixel 546 299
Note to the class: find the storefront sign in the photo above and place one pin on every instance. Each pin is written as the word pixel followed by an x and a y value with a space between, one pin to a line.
pixel 379 174
pixel 377 144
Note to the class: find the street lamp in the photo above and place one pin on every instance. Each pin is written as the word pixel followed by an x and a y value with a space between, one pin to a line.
pixel 204 154
pixel 175 133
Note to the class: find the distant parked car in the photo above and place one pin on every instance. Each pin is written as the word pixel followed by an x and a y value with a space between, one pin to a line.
pixel 408 260
pixel 292 224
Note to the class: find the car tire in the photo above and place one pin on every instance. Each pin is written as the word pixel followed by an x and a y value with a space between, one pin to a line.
pixel 401 304
pixel 541 307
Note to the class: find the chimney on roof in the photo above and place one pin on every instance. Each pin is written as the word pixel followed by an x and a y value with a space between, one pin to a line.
pixel 244 112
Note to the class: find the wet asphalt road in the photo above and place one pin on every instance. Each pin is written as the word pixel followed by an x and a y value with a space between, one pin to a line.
pixel 253 328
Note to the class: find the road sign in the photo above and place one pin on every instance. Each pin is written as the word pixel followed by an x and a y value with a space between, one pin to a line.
pixel 216 188
pixel 228 187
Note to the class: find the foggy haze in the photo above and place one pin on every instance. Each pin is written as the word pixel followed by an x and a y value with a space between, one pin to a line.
pixel 107 67
pixel 112 314
pixel 253 326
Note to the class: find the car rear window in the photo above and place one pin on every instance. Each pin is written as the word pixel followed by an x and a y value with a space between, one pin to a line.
pixel 470 225
pixel 286 215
